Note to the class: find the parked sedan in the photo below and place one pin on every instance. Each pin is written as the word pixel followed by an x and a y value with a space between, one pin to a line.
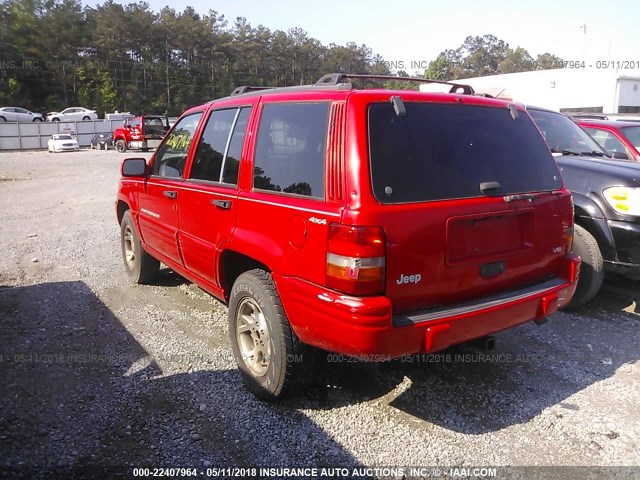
pixel 18 114
pixel 72 114
pixel 620 139
pixel 62 143
pixel 102 141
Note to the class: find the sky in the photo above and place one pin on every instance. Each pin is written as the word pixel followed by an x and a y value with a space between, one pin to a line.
pixel 417 31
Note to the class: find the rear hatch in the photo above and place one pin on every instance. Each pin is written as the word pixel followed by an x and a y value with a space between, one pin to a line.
pixel 470 199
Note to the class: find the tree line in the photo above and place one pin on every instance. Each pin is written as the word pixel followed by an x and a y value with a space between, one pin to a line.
pixel 57 53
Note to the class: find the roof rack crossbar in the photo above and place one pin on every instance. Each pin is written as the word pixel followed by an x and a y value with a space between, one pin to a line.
pixel 246 89
pixel 336 78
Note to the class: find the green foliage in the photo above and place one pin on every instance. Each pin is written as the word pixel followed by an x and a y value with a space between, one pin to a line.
pixel 57 53
pixel 401 84
pixel 486 55
pixel 439 69
pixel 127 57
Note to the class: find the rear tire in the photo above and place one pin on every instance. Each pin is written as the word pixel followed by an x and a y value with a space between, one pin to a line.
pixel 591 269
pixel 272 360
pixel 139 265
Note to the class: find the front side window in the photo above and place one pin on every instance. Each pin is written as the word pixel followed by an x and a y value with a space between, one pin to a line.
pixel 217 158
pixel 171 156
pixel 290 150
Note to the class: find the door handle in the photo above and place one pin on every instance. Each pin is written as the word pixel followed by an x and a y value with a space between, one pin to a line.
pixel 170 194
pixel 224 204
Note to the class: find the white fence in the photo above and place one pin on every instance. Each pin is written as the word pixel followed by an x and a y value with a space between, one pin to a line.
pixel 34 135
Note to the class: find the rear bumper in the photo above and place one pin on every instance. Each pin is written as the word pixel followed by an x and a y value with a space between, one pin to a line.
pixel 365 327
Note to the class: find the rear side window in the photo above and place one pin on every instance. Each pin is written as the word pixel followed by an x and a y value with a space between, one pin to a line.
pixel 290 149
pixel 446 151
pixel 207 163
pixel 218 156
pixel 633 135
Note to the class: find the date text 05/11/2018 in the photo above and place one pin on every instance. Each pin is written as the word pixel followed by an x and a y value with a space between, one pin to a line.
pixel 598 65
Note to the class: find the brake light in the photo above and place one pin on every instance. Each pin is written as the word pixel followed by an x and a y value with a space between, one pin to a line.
pixel 356 259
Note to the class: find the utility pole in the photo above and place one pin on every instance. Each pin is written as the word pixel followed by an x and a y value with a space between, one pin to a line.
pixel 583 27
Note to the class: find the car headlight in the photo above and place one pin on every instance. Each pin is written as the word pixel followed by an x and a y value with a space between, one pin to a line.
pixel 624 200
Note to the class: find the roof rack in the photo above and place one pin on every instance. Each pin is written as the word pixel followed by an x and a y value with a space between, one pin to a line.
pixel 247 89
pixel 337 78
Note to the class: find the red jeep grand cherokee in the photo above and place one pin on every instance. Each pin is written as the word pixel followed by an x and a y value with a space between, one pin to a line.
pixel 371 223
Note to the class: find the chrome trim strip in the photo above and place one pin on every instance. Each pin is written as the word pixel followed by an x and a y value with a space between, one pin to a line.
pixel 413 318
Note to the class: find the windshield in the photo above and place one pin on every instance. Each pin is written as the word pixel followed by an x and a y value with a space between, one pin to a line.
pixel 445 151
pixel 633 134
pixel 563 135
pixel 64 137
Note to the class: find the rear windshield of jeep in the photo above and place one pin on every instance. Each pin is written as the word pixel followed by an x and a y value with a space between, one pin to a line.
pixel 446 151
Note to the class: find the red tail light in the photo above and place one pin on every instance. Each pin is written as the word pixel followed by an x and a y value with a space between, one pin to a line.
pixel 356 259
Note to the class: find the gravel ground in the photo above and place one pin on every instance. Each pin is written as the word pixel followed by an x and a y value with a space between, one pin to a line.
pixel 96 372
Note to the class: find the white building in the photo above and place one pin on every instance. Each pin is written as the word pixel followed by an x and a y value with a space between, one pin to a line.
pixel 587 90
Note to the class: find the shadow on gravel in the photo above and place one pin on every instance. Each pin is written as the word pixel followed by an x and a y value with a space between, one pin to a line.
pixel 617 294
pixel 168 278
pixel 78 389
pixel 469 391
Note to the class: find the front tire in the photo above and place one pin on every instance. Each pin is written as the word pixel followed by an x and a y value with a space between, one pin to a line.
pixel 591 269
pixel 121 146
pixel 272 360
pixel 139 265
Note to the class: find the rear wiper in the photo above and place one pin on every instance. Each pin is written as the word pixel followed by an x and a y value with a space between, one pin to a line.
pixel 489 186
pixel 565 152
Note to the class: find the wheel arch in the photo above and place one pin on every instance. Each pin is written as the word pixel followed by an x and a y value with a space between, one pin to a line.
pixel 590 216
pixel 121 208
pixel 231 265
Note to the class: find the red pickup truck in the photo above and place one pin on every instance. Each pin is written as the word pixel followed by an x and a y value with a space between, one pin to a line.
pixel 140 133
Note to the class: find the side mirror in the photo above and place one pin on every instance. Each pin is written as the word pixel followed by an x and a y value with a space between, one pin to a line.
pixel 134 167
pixel 620 155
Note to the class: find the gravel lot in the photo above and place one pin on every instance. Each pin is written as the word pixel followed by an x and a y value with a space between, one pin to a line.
pixel 96 372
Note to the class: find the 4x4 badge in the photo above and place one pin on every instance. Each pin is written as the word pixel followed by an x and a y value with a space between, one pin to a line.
pixel 319 221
